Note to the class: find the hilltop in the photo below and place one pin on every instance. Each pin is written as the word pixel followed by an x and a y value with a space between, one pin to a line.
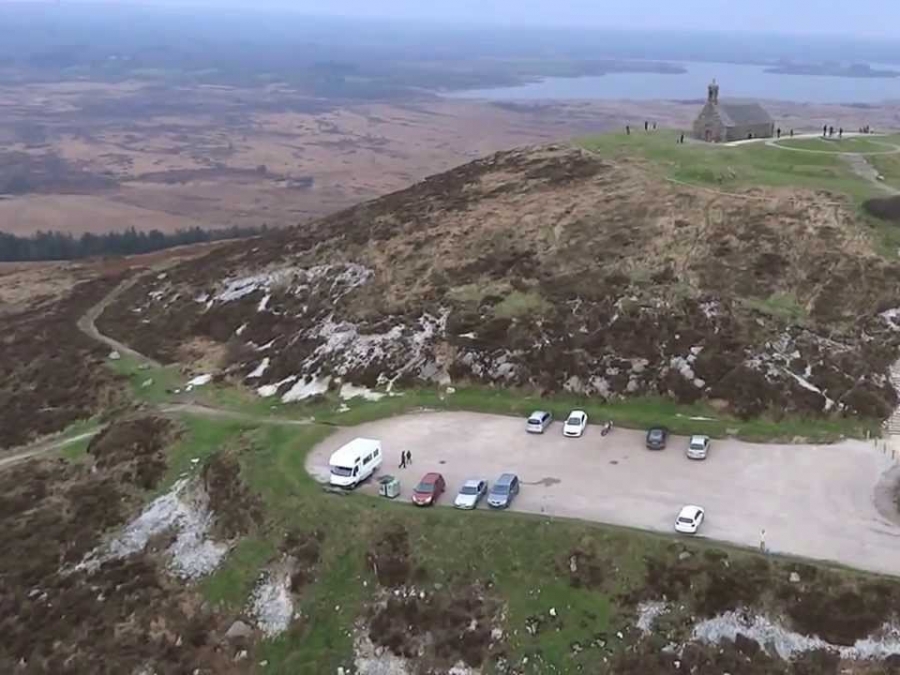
pixel 554 268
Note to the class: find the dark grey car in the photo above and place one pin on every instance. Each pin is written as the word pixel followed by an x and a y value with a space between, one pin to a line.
pixel 657 437
pixel 503 491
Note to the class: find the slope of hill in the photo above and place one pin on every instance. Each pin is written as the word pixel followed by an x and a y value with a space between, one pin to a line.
pixel 552 268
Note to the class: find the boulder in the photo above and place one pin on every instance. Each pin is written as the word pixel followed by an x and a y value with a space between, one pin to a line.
pixel 238 630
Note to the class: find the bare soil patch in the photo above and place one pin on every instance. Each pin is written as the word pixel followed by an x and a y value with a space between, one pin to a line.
pixel 238 510
pixel 133 450
pixel 885 208
pixel 390 558
pixel 439 628
pixel 304 549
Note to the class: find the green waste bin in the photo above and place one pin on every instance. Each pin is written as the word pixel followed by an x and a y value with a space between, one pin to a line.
pixel 389 487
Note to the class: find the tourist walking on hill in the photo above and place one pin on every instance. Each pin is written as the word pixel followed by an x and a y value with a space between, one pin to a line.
pixel 646 125
pixel 824 131
pixel 627 130
pixel 841 132
pixel 778 132
pixel 792 133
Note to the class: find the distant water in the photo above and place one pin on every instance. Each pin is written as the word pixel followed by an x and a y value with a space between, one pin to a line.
pixel 736 81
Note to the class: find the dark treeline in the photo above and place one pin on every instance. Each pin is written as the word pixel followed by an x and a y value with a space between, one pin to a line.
pixel 65 246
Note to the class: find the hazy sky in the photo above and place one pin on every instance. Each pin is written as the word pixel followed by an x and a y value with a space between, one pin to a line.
pixel 859 17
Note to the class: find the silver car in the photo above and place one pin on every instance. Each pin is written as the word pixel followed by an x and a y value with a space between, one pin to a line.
pixel 538 421
pixel 698 447
pixel 470 494
pixel 503 491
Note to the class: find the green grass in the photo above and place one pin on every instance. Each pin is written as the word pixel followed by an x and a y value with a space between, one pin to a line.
pixel 75 451
pixel 889 167
pixel 737 167
pixel 148 383
pixel 201 438
pixel 230 586
pixel 519 304
pixel 782 306
pixel 157 385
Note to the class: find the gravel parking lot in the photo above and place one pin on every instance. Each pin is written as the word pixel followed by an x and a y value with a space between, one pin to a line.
pixel 813 501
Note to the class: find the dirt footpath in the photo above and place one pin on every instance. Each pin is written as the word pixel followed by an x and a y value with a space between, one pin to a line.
pixel 813 501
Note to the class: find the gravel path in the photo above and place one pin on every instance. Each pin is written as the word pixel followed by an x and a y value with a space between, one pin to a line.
pixel 87 323
pixel 812 501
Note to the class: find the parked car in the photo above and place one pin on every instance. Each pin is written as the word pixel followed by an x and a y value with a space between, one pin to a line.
pixel 429 489
pixel 470 494
pixel 538 421
pixel 657 437
pixel 689 519
pixel 575 424
pixel 698 447
pixel 503 491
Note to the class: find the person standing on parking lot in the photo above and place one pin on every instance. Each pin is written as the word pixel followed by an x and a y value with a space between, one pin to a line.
pixel 409 457
pixel 402 459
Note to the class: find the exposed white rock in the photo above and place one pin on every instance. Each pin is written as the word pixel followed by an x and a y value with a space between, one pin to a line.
pixel 183 510
pixel 260 370
pixel 787 643
pixel 271 604
pixel 199 381
pixel 268 390
pixel 308 388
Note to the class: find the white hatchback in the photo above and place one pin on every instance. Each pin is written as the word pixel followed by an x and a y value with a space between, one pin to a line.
pixel 698 447
pixel 689 519
pixel 575 424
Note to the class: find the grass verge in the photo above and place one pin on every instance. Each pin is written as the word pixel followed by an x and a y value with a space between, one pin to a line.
pixel 724 167
pixel 635 413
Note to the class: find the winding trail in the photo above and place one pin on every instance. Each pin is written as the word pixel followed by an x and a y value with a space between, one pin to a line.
pixel 42 448
pixel 87 323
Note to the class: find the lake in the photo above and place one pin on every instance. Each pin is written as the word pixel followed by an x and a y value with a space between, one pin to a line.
pixel 736 81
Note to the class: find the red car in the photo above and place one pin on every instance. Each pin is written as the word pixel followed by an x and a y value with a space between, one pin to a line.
pixel 429 489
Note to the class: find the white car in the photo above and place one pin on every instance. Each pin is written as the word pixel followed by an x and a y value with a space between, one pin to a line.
pixel 689 519
pixel 698 447
pixel 575 424
pixel 470 494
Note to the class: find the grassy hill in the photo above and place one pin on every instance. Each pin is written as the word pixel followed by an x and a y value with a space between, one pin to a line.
pixel 560 270
pixel 555 275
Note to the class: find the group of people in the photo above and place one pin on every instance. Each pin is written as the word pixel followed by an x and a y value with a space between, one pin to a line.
pixel 647 127
pixel 405 458
pixel 828 132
